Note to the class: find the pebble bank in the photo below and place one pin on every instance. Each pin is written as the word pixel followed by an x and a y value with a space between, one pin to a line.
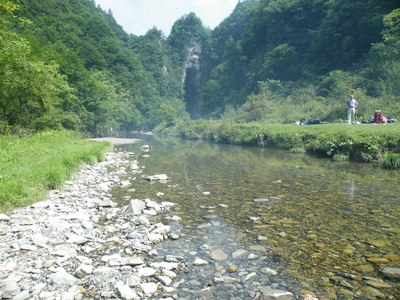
pixel 78 244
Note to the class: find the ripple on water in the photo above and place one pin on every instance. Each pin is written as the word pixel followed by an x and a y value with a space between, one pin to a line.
pixel 323 228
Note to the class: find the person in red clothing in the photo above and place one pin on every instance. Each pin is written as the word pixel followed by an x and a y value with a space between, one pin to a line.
pixel 379 118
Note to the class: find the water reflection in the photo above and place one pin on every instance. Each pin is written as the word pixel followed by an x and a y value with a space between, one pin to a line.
pixel 352 188
pixel 325 227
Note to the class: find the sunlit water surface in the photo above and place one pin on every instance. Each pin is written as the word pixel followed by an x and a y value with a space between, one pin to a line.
pixel 326 228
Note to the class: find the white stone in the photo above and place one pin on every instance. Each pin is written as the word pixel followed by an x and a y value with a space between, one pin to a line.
pixel 169 273
pixel 149 288
pixel 165 280
pixel 133 280
pixel 165 265
pixel 261 200
pixel 107 203
pixel 146 272
pixel 228 279
pixel 131 261
pixel 252 256
pixel 37 289
pixel 10 289
pixel 239 253
pixel 153 237
pixel 70 295
pixel 87 269
pixel 126 292
pixel 135 207
pixel 200 262
pixel 218 280
pixel 174 236
pixel 271 271
pixel 153 204
pixel 40 240
pixel 22 295
pixel 63 278
pixel 76 239
pixel 4 218
pixel 251 275
pixel 162 229
pixel 161 177
pixel 63 250
pixel 270 293
pixel 218 254
pixel 150 212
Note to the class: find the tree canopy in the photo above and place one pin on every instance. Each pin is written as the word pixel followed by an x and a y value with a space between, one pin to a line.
pixel 68 64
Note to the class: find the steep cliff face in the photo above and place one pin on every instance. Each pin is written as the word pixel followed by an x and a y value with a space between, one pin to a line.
pixel 191 78
pixel 188 42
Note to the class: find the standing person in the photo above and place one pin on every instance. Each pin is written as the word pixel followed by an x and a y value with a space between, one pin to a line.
pixel 351 109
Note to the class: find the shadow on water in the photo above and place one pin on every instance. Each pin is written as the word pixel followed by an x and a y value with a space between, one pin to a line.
pixel 325 228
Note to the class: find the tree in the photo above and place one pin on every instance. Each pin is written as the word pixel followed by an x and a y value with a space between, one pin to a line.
pixel 29 88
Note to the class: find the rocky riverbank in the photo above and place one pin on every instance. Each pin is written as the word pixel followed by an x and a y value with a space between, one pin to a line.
pixel 78 244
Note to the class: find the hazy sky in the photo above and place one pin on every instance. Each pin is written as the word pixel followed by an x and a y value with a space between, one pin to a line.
pixel 138 16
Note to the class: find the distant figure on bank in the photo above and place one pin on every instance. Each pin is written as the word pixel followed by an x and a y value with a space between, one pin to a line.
pixel 351 110
pixel 379 118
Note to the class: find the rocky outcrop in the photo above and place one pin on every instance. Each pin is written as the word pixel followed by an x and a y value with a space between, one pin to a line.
pixel 191 78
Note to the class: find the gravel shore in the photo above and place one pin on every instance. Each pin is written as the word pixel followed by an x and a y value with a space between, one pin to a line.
pixel 79 244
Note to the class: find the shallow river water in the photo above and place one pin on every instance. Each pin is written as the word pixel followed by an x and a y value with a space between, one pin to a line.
pixel 263 217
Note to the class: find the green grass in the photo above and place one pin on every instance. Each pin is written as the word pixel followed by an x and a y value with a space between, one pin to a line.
pixel 32 165
pixel 363 142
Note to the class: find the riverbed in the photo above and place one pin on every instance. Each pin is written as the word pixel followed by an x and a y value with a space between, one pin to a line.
pixel 258 217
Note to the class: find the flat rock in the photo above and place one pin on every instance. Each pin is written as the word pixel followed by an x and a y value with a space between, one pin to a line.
pixel 135 207
pixel 393 273
pixel 63 278
pixel 272 294
pixel 218 254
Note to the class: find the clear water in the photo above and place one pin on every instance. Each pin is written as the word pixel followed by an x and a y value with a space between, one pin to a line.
pixel 327 228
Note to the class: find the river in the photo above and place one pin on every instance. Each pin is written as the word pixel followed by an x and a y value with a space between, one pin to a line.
pixel 290 221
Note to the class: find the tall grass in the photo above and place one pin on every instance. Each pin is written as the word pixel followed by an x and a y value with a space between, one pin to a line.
pixel 30 166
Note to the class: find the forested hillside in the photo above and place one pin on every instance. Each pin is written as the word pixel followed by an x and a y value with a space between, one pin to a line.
pixel 303 58
pixel 68 64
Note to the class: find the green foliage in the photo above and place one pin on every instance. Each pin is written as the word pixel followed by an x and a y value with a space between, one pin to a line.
pixel 366 143
pixel 29 88
pixel 392 161
pixel 185 30
pixel 306 57
pixel 31 165
pixel 72 66
pixel 68 64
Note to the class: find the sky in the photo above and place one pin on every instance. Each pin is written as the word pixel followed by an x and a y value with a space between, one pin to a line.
pixel 138 16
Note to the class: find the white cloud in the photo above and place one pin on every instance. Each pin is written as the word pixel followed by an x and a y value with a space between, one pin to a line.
pixel 138 16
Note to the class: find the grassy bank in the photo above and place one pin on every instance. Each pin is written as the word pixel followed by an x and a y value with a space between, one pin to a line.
pixel 363 142
pixel 32 165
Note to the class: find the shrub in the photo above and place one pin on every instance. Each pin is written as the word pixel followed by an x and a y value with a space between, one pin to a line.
pixel 391 161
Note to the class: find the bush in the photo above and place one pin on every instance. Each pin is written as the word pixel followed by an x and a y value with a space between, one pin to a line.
pixel 391 161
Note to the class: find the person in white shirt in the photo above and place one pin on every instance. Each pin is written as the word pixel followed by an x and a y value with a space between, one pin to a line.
pixel 351 110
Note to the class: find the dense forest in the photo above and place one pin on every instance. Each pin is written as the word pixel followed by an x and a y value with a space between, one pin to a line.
pixel 68 64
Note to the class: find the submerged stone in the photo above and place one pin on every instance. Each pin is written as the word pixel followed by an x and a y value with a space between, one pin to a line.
pixel 377 243
pixel 271 294
pixel 393 273
pixel 218 254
